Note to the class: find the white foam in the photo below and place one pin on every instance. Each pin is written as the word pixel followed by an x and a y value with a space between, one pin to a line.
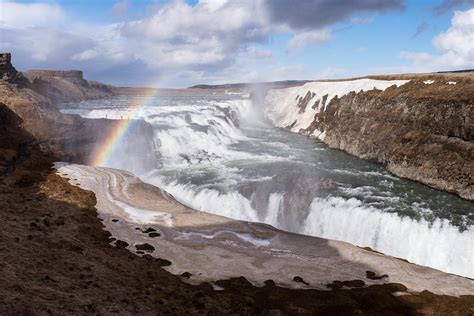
pixel 438 244
pixel 274 209
pixel 230 204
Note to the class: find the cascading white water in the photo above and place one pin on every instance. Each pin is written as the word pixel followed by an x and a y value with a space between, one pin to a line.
pixel 213 160
pixel 274 209
pixel 437 244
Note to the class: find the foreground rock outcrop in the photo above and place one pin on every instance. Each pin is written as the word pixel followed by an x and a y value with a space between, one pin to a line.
pixel 418 127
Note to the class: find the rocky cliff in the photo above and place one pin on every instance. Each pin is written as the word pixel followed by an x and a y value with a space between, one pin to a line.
pixel 419 127
pixel 66 86
pixel 32 98
pixel 8 73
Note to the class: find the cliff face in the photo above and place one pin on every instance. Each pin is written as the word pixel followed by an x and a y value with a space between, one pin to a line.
pixel 8 73
pixel 420 128
pixel 66 86
pixel 33 102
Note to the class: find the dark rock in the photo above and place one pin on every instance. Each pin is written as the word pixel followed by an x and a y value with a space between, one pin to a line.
pixel 373 276
pixel 153 235
pixel 163 262
pixel 270 283
pixel 335 285
pixel 354 283
pixel 145 247
pixel 186 275
pixel 300 280
pixel 8 73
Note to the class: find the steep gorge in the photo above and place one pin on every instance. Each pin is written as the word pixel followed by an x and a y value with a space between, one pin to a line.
pixel 420 127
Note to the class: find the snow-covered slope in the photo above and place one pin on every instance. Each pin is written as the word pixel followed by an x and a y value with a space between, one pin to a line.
pixel 294 108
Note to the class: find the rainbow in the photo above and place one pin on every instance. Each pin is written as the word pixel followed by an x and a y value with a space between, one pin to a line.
pixel 105 150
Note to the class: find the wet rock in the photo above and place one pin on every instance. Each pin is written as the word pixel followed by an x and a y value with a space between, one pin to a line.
pixel 115 220
pixel 373 276
pixel 163 262
pixel 153 235
pixel 300 280
pixel 145 247
pixel 335 285
pixel 354 283
pixel 149 230
pixel 270 283
pixel 186 275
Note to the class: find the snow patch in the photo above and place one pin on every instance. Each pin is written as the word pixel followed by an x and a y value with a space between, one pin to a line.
pixel 428 81
pixel 281 105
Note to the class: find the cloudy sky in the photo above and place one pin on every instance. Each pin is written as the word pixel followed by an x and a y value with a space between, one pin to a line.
pixel 178 43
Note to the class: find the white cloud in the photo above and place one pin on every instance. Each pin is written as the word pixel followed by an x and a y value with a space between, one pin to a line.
pixel 88 54
pixel 23 15
pixel 300 40
pixel 253 54
pixel 213 40
pixel 459 38
pixel 456 46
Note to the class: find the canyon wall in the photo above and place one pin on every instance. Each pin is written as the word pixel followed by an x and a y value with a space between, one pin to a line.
pixel 419 127
pixel 66 86
pixel 32 98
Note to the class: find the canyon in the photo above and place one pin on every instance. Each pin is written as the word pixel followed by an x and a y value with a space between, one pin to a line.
pixel 419 127
pixel 54 242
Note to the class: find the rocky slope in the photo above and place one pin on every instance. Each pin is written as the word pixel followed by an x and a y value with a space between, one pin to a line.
pixel 420 127
pixel 68 137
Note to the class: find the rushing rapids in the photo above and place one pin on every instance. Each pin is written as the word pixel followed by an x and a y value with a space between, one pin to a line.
pixel 218 154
